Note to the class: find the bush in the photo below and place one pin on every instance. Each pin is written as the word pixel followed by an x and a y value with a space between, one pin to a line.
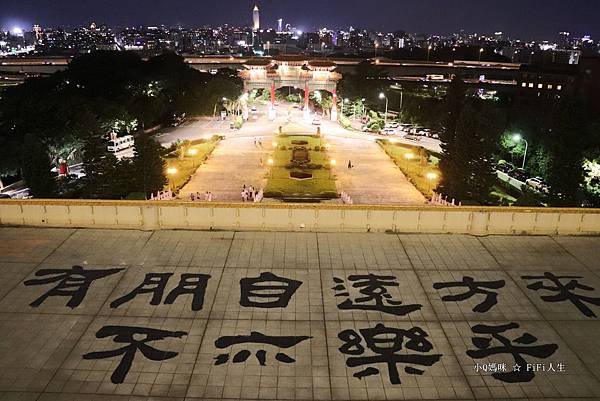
pixel 273 194
pixel 136 196
pixel 329 195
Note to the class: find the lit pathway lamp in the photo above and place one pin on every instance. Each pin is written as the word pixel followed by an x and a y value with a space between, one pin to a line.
pixel 383 96
pixel 332 164
pixel 429 52
pixel 271 162
pixel 193 153
pixel 171 171
pixel 431 177
pixel 518 138
pixel 345 101
pixel 480 53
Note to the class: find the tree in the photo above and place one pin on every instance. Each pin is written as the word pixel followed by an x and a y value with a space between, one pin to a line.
pixel 100 168
pixel 470 138
pixel 148 166
pixel 36 168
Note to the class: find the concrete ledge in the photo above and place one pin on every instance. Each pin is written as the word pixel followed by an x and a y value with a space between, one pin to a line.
pixel 298 217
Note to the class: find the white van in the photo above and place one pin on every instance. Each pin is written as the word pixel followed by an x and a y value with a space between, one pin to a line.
pixel 118 144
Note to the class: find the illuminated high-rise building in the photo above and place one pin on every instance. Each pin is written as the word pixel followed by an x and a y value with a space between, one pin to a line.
pixel 256 18
pixel 280 25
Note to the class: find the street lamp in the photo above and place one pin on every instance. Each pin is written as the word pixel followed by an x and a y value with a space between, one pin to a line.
pixel 271 162
pixel 193 152
pixel 376 47
pixel 274 144
pixel 383 96
pixel 345 101
pixel 332 164
pixel 518 138
pixel 431 177
pixel 480 53
pixel 171 171
pixel 429 51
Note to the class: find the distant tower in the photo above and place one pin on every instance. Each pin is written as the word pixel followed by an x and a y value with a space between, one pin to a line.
pixel 280 25
pixel 256 18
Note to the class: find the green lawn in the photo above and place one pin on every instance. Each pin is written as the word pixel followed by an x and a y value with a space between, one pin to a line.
pixel 195 155
pixel 408 159
pixel 281 185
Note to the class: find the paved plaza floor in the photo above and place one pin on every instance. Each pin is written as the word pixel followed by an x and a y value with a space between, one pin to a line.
pixel 180 315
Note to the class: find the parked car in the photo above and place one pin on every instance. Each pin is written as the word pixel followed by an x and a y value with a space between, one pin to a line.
pixel 5 196
pixel 388 131
pixel 254 109
pixel 504 167
pixel 412 137
pixel 392 125
pixel 538 184
pixel 316 121
pixel 519 174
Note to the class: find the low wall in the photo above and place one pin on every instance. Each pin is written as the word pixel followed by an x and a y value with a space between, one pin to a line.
pixel 297 217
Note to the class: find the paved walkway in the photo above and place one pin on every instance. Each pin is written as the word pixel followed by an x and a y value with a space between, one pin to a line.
pixel 374 179
pixel 234 163
pixel 453 308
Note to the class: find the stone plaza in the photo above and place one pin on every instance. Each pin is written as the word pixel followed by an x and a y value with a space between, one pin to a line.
pixel 124 315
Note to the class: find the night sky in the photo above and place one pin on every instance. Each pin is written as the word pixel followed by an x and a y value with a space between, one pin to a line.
pixel 527 19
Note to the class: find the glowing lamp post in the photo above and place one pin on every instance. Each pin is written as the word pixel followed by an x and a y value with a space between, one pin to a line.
pixel 480 53
pixel 383 96
pixel 332 164
pixel 429 51
pixel 431 177
pixel 518 138
pixel 171 171
pixel 271 162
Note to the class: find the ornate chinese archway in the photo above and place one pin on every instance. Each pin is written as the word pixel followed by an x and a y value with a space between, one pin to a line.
pixel 296 71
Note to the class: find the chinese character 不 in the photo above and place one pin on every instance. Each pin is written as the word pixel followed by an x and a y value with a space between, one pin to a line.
pixel 267 291
pixel 474 287
pixel 522 345
pixel 261 355
pixel 74 283
pixel 155 284
pixel 386 343
pixel 129 336
pixel 376 296
pixel 564 292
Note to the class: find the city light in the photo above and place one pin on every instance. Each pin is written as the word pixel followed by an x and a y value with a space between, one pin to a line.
pixel 171 171
pixel 193 152
pixel 431 176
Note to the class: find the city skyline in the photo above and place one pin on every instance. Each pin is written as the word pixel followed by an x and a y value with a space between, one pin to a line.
pixel 519 19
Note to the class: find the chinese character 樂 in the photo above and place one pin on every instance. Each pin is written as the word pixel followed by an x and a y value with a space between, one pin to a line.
pixel 386 343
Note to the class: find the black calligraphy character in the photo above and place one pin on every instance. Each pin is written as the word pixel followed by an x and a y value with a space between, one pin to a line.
pixel 564 292
pixel 261 355
pixel 156 283
pixel 74 283
pixel 386 343
pixel 376 295
pixel 267 291
pixel 473 288
pixel 130 335
pixel 523 346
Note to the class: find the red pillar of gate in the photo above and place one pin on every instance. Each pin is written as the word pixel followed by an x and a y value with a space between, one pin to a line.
pixel 273 95
pixel 306 93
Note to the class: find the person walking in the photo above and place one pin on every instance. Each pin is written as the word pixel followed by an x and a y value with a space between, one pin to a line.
pixel 350 164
